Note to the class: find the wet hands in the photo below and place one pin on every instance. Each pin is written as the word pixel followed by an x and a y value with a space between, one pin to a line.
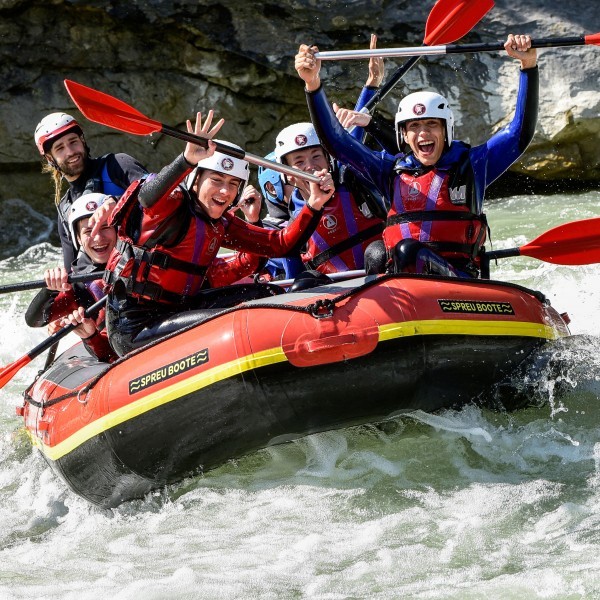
pixel 250 204
pixel 84 327
pixel 57 279
pixel 376 68
pixel 351 118
pixel 101 216
pixel 519 47
pixel 194 153
pixel 308 67
pixel 321 192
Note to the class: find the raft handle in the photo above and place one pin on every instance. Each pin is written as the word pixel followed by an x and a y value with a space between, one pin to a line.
pixel 84 399
pixel 322 309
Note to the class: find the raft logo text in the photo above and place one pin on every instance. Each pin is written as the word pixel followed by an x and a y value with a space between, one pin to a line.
pixel 485 307
pixel 167 371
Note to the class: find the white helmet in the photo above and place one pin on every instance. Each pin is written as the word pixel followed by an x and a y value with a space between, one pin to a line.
pixel 223 163
pixel 424 105
pixel 82 208
pixel 53 126
pixel 295 137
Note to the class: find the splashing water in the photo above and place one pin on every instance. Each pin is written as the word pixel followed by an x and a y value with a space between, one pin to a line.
pixel 467 504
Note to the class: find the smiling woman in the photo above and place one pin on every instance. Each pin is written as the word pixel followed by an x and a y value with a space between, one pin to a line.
pixel 218 181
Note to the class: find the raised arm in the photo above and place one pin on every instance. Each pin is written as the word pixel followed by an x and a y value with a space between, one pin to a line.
pixel 374 167
pixel 508 144
pixel 163 184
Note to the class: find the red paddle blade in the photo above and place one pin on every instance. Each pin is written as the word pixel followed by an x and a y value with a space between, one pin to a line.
pixel 9 372
pixel 449 20
pixel 593 40
pixel 575 243
pixel 107 110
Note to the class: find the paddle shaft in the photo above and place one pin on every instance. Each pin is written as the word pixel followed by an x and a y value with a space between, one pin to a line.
pixel 40 283
pixel 506 253
pixel 7 373
pixel 241 154
pixel 389 85
pixel 448 21
pixel 61 333
pixel 447 49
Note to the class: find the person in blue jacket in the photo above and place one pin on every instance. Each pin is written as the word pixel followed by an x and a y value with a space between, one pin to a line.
pixel 278 192
pixel 435 188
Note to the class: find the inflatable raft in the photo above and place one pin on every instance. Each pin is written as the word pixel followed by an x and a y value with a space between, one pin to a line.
pixel 274 369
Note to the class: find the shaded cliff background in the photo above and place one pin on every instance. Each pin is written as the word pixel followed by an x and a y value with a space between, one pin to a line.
pixel 171 59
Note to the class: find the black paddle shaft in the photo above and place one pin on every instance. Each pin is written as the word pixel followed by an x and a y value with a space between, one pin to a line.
pixel 55 337
pixel 389 85
pixel 38 284
pixel 202 141
pixel 541 43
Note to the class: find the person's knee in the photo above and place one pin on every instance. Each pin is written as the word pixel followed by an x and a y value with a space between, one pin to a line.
pixel 375 258
pixel 405 254
pixel 309 279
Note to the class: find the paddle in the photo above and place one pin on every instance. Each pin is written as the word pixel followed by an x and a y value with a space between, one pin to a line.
pixel 7 373
pixel 456 48
pixel 33 285
pixel 575 243
pixel 107 110
pixel 448 21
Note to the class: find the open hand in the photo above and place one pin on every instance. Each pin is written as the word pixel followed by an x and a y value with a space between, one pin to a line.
pixel 194 153
pixel 376 68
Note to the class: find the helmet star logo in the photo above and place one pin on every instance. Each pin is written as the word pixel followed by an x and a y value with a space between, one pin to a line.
pixel 227 164
pixel 419 109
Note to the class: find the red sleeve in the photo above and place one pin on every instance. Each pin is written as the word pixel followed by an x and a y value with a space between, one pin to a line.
pixel 164 207
pixel 64 304
pixel 99 346
pixel 225 271
pixel 240 235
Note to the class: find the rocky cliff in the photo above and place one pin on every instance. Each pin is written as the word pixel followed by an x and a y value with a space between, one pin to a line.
pixel 171 59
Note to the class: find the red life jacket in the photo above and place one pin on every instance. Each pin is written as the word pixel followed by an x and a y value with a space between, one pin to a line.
pixel 344 232
pixel 168 261
pixel 422 209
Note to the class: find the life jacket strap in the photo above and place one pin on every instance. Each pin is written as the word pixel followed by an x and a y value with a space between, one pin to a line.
pixel 433 215
pixel 354 240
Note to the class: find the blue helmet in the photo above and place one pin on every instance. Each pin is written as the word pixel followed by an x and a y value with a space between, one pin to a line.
pixel 271 184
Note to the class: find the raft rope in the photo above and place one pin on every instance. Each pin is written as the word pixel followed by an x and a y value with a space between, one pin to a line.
pixel 320 309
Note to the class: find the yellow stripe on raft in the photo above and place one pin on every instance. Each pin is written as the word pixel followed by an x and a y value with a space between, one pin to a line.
pixel 277 355
pixel 463 327
pixel 160 397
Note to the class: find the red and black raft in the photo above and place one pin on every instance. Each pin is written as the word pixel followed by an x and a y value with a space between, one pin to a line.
pixel 274 369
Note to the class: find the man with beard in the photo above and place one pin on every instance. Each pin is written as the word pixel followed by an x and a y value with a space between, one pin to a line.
pixel 66 155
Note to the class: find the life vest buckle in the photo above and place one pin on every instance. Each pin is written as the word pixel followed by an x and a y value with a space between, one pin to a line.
pixel 157 259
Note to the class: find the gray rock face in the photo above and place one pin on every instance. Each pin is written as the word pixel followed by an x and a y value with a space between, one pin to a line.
pixel 171 59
